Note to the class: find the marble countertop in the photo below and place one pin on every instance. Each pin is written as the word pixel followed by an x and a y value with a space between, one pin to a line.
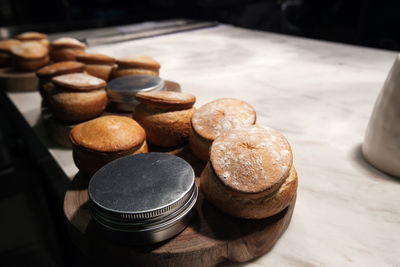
pixel 320 96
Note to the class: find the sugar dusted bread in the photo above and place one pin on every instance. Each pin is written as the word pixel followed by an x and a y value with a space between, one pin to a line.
pixel 215 118
pixel 250 173
pixel 77 97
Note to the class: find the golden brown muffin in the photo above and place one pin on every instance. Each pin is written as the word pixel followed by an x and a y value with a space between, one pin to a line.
pixel 5 52
pixel 29 56
pixel 46 73
pixel 165 116
pixel 250 173
pixel 136 65
pixel 213 119
pixel 66 49
pixel 33 36
pixel 99 141
pixel 98 65
pixel 77 97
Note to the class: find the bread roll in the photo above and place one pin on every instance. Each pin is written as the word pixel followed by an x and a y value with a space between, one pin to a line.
pixel 165 116
pixel 66 49
pixel 46 73
pixel 99 141
pixel 77 97
pixel 213 119
pixel 30 56
pixel 98 65
pixel 250 173
pixel 136 65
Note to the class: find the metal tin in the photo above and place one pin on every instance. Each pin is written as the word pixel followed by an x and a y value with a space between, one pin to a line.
pixel 143 198
pixel 122 91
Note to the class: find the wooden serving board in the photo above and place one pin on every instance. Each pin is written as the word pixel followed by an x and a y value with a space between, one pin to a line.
pixel 211 238
pixel 15 81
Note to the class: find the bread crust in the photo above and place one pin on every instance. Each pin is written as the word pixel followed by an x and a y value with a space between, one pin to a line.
pixel 100 59
pixel 121 72
pixel 5 45
pixel 58 54
pixel 100 71
pixel 78 82
pixel 90 161
pixel 99 141
pixel 31 64
pixel 164 128
pixel 242 206
pixel 76 106
pixel 31 36
pixel 138 61
pixel 199 146
pixel 60 68
pixel 108 134
pixel 166 100
pixel 215 118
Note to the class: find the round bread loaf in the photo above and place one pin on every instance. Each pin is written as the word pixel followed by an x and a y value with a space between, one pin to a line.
pixel 250 173
pixel 46 73
pixel 98 65
pixel 65 49
pixel 30 56
pixel 99 141
pixel 33 36
pixel 136 65
pixel 165 116
pixel 5 52
pixel 77 97
pixel 215 118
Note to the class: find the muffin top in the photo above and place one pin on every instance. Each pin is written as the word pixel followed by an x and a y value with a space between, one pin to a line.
pixel 139 61
pixel 108 134
pixel 67 42
pixel 30 50
pixel 214 118
pixel 251 159
pixel 78 82
pixel 5 45
pixel 96 59
pixel 31 36
pixel 60 68
pixel 167 100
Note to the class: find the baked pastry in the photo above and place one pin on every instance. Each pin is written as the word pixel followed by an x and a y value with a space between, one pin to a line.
pixel 33 36
pixel 65 49
pixel 250 173
pixel 77 97
pixel 98 65
pixel 136 65
pixel 165 116
pixel 99 141
pixel 213 119
pixel 30 56
pixel 5 52
pixel 46 73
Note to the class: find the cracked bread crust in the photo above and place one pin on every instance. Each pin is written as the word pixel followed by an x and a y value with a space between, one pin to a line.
pixel 243 206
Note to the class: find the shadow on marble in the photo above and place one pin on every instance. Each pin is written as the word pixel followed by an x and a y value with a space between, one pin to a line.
pixel 361 162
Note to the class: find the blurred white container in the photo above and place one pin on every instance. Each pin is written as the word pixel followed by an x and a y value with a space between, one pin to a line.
pixel 381 145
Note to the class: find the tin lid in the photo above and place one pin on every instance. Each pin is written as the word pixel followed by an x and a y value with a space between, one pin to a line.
pixel 124 89
pixel 143 189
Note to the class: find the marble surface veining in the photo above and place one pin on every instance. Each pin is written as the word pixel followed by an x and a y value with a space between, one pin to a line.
pixel 320 96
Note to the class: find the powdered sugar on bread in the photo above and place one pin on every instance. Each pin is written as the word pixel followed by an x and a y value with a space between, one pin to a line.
pixel 217 117
pixel 251 159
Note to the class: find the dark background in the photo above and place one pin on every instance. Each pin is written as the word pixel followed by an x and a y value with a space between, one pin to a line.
pixel 363 22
